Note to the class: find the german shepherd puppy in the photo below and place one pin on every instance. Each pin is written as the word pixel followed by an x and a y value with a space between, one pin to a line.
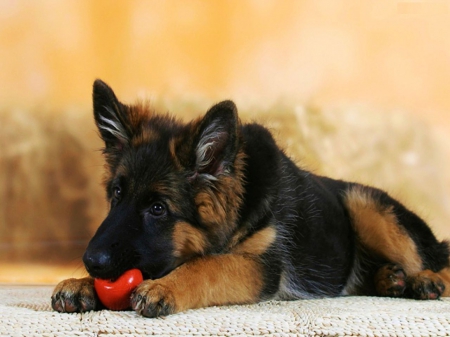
pixel 214 213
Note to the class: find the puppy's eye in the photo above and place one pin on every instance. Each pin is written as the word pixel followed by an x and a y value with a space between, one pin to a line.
pixel 117 192
pixel 157 209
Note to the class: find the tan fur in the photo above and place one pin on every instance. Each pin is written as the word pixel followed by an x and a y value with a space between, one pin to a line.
pixel 145 137
pixel 442 278
pixel 218 206
pixel 72 285
pixel 258 243
pixel 203 282
pixel 173 143
pixel 139 113
pixel 70 293
pixel 378 230
pixel 187 240
pixel 444 274
pixel 428 285
pixel 210 208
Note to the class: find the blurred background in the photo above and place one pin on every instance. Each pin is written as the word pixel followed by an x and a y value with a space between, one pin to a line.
pixel 356 90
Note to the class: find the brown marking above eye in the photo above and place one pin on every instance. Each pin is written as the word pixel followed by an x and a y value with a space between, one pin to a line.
pixel 169 195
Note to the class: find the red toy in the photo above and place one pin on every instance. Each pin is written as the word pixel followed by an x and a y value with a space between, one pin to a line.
pixel 115 295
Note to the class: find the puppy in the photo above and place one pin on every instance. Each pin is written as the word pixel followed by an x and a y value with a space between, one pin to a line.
pixel 214 213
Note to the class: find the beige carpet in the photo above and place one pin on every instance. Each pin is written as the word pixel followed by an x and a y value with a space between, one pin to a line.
pixel 25 311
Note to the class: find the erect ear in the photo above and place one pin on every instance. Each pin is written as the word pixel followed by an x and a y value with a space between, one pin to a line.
pixel 216 142
pixel 110 116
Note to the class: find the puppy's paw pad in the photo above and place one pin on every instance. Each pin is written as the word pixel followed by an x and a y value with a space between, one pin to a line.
pixel 390 280
pixel 427 286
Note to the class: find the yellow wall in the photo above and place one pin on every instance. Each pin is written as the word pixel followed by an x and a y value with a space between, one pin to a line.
pixel 389 54
pixel 377 56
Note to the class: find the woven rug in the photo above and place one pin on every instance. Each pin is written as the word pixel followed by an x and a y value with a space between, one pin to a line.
pixel 26 311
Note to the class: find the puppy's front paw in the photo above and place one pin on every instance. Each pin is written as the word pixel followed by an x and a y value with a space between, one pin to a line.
pixel 153 299
pixel 75 295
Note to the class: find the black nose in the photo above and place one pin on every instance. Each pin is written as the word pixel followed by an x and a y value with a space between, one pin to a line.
pixel 98 263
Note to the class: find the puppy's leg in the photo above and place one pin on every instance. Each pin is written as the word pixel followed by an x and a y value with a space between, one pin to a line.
pixel 75 295
pixel 202 282
pixel 388 231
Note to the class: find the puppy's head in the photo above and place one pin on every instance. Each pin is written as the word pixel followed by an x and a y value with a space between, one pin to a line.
pixel 174 189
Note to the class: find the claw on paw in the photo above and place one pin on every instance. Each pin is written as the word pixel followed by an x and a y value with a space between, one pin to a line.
pixel 152 299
